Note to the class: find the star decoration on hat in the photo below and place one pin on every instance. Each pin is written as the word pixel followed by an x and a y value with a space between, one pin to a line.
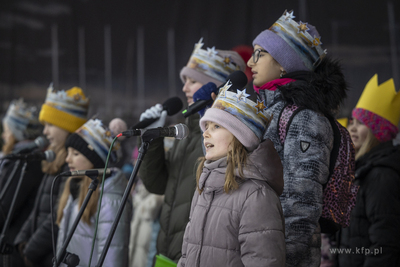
pixel 316 41
pixel 260 106
pixel 62 94
pixel 77 97
pixel 227 60
pixel 199 45
pixel 222 91
pixel 211 52
pixel 289 16
pixel 97 123
pixel 302 27
pixel 241 95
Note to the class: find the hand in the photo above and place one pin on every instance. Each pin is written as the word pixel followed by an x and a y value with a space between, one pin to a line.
pixel 152 113
pixel 206 92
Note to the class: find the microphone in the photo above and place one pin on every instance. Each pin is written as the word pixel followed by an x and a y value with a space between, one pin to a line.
pixel 238 80
pixel 91 172
pixel 39 143
pixel 179 131
pixel 48 155
pixel 172 105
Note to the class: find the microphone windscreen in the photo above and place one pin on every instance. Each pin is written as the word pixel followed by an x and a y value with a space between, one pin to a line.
pixel 238 79
pixel 173 105
pixel 41 142
pixel 50 155
pixel 182 131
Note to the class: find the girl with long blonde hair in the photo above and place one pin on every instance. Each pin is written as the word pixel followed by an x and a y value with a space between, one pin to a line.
pixel 236 218
pixel 62 113
pixel 87 149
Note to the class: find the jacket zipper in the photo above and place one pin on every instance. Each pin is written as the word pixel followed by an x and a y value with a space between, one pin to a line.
pixel 202 228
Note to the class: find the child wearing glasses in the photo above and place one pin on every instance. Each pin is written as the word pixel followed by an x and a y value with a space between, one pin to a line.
pixel 290 66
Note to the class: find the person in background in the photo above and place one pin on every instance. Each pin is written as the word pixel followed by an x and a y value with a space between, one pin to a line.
pixel 62 113
pixel 21 126
pixel 236 217
pixel 290 66
pixel 173 173
pixel 87 149
pixel 372 239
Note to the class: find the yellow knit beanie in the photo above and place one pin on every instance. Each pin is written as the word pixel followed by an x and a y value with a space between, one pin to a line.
pixel 65 109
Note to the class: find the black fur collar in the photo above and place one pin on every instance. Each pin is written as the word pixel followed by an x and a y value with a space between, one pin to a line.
pixel 323 90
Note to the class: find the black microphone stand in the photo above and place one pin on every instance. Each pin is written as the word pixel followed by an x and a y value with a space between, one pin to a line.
pixel 8 183
pixel 63 256
pixel 147 137
pixel 6 249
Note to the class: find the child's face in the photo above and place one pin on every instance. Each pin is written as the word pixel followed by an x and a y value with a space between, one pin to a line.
pixel 54 134
pixel 265 69
pixel 358 132
pixel 77 161
pixel 217 140
pixel 189 88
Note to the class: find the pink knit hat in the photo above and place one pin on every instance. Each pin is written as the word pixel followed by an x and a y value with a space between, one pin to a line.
pixel 379 108
pixel 245 119
pixel 382 129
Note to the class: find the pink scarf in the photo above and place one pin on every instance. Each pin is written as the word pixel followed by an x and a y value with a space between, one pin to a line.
pixel 272 85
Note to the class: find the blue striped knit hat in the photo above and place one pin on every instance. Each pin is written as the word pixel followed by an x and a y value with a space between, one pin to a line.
pixel 295 46
pixel 22 119
pixel 245 119
pixel 93 140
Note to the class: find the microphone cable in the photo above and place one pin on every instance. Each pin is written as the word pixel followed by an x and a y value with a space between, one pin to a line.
pixel 101 197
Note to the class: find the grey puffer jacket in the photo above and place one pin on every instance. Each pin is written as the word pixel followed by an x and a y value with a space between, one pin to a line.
pixel 305 155
pixel 244 227
pixel 81 242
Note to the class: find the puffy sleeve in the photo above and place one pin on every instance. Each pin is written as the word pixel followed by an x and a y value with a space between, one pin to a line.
pixel 117 254
pixel 261 230
pixel 305 161
pixel 153 170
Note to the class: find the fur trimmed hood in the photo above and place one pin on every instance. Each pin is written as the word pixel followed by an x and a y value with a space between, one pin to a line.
pixel 323 90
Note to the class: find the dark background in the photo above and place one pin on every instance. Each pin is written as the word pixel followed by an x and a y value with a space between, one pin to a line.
pixel 139 72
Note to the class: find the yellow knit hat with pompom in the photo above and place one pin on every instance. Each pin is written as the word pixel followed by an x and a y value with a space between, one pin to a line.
pixel 65 109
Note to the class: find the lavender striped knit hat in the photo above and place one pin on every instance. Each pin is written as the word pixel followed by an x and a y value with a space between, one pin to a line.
pixel 295 46
pixel 245 119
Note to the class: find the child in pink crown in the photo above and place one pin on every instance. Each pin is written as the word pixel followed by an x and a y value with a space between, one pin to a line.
pixel 373 235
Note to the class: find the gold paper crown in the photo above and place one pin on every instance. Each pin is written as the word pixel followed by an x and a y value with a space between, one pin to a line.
pixel 343 121
pixel 383 100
